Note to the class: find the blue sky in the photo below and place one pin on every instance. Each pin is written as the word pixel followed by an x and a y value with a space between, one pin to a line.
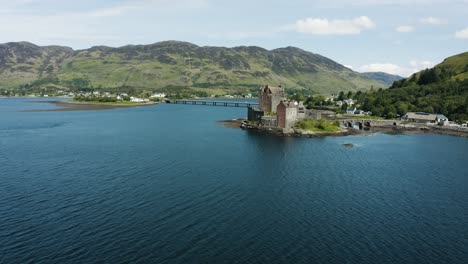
pixel 395 36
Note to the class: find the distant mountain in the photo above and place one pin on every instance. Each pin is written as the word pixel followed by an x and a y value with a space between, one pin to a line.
pixel 442 89
pixel 383 77
pixel 171 64
pixel 23 62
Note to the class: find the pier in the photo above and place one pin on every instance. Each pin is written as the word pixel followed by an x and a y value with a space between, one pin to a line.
pixel 213 103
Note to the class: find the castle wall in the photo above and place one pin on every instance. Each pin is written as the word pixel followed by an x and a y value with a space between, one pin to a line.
pixel 286 116
pixel 281 116
pixel 254 115
pixel 275 100
pixel 291 117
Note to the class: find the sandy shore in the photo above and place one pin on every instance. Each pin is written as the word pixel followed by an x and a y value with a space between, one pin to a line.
pixel 82 106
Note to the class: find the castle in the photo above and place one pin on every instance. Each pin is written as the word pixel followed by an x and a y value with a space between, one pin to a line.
pixel 275 110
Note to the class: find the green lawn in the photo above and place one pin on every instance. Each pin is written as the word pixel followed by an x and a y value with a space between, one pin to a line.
pixel 320 125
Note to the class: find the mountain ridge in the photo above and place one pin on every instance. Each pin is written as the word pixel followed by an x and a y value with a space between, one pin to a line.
pixel 160 65
pixel 384 77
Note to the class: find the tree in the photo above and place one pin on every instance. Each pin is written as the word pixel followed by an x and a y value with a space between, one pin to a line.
pixel 341 96
pixel 402 108
pixel 344 106
pixel 298 97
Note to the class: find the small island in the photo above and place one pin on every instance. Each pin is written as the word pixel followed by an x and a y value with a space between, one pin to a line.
pixel 95 101
pixel 99 101
pixel 114 100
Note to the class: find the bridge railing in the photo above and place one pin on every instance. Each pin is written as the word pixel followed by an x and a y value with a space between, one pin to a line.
pixel 213 103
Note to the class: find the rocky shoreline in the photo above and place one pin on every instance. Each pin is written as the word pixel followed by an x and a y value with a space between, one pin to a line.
pixel 422 129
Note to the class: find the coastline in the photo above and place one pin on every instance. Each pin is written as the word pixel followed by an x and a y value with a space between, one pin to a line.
pixel 129 104
pixel 83 106
pixel 235 123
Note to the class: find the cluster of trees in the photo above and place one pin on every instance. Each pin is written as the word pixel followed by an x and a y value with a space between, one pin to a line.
pixel 186 95
pixel 101 99
pixel 432 90
pixel 449 97
pixel 425 77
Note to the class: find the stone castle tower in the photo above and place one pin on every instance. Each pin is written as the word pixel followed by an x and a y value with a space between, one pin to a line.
pixel 270 97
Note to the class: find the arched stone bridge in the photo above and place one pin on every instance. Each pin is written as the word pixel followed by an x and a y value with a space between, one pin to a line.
pixel 368 123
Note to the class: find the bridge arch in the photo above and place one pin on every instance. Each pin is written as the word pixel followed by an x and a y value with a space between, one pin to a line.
pixel 358 125
pixel 367 124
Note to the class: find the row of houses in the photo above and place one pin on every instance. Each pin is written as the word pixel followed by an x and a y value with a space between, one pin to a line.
pixel 355 111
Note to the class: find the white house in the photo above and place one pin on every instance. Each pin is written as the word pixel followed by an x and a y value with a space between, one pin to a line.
pixel 350 111
pixel 158 95
pixel 349 102
pixel 138 100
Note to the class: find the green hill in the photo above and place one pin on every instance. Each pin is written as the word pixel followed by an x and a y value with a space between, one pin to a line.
pixel 442 89
pixel 383 77
pixel 171 64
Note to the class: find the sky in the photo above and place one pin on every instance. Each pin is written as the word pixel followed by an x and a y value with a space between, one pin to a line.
pixel 393 36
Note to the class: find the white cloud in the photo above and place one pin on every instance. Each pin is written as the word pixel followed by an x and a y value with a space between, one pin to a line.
pixel 88 25
pixel 349 66
pixel 412 67
pixel 433 21
pixel 323 26
pixel 405 29
pixel 462 34
pixel 372 3
pixel 420 65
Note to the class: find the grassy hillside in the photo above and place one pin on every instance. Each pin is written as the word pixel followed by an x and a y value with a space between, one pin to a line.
pixel 23 62
pixel 163 65
pixel 442 89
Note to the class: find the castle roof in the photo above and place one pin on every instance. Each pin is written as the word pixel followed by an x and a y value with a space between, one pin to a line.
pixel 272 90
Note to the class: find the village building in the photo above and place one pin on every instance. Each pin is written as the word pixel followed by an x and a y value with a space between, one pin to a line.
pixel 349 102
pixel 355 111
pixel 421 117
pixel 158 95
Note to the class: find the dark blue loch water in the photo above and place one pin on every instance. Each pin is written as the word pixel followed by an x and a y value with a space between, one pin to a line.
pixel 169 184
